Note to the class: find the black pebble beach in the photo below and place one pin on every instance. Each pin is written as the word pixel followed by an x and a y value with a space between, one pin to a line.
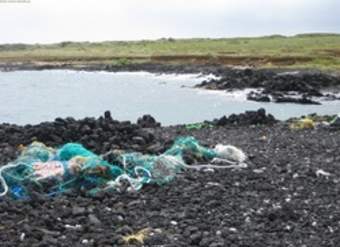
pixel 288 195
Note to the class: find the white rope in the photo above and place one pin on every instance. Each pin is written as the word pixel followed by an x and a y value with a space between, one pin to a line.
pixel 107 153
pixel 137 168
pixel 124 162
pixel 135 183
pixel 231 165
pixel 210 166
pixel 2 180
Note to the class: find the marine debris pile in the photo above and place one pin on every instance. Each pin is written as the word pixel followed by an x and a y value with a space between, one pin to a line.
pixel 50 171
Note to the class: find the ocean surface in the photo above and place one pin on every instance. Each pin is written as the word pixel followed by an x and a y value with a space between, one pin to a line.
pixel 30 97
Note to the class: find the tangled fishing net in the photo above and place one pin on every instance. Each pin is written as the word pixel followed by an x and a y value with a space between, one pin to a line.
pixel 72 167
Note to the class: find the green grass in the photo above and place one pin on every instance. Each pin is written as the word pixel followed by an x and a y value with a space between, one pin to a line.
pixel 308 50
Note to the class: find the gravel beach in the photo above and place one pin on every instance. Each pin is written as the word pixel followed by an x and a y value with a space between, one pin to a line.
pixel 288 195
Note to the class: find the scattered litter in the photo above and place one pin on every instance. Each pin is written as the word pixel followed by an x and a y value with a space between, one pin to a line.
pixel 313 121
pixel 321 172
pixel 22 237
pixel 260 170
pixel 214 184
pixel 138 237
pixel 232 229
pixel 211 170
pixel 263 138
pixel 108 209
pixel 198 126
pixel 54 171
pixel 174 223
pixel 289 198
pixel 335 122
pixel 304 123
pixel 48 232
pixel 67 226
pixel 230 152
pixel 84 241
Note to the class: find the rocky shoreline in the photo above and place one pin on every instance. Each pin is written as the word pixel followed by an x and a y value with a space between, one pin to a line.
pixel 149 67
pixel 268 85
pixel 288 195
pixel 301 87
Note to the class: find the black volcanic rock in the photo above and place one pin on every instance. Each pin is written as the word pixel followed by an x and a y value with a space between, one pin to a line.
pixel 305 84
pixel 147 121
pixel 288 195
pixel 247 118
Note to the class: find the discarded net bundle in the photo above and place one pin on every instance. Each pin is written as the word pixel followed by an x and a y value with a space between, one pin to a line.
pixel 54 171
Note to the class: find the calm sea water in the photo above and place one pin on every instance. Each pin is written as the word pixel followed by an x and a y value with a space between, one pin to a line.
pixel 36 96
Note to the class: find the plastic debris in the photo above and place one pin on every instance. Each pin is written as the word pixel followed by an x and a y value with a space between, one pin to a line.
pixel 321 172
pixel 230 153
pixel 138 237
pixel 48 169
pixel 54 171
pixel 304 123
pixel 335 122
pixel 198 126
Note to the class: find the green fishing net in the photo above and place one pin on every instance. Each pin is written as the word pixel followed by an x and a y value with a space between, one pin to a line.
pixel 73 167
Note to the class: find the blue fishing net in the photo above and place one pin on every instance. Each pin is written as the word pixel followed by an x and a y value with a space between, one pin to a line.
pixel 73 167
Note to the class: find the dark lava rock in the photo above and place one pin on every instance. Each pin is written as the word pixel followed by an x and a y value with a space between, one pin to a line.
pixel 308 83
pixel 300 100
pixel 288 195
pixel 196 238
pixel 259 97
pixel 147 121
pixel 78 210
pixel 100 135
pixel 94 220
pixel 247 118
pixel 107 115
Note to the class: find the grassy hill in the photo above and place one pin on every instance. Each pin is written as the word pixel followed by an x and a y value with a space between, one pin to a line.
pixel 306 50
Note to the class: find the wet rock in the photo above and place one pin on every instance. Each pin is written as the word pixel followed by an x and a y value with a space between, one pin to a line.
pixel 300 100
pixel 302 83
pixel 255 96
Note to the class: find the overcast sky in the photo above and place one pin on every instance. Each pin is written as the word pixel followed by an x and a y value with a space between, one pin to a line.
pixel 48 21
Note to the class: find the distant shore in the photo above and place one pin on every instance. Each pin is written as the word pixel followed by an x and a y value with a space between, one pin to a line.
pixel 312 51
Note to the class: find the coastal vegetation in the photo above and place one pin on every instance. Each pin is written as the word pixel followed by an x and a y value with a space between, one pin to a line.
pixel 321 51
